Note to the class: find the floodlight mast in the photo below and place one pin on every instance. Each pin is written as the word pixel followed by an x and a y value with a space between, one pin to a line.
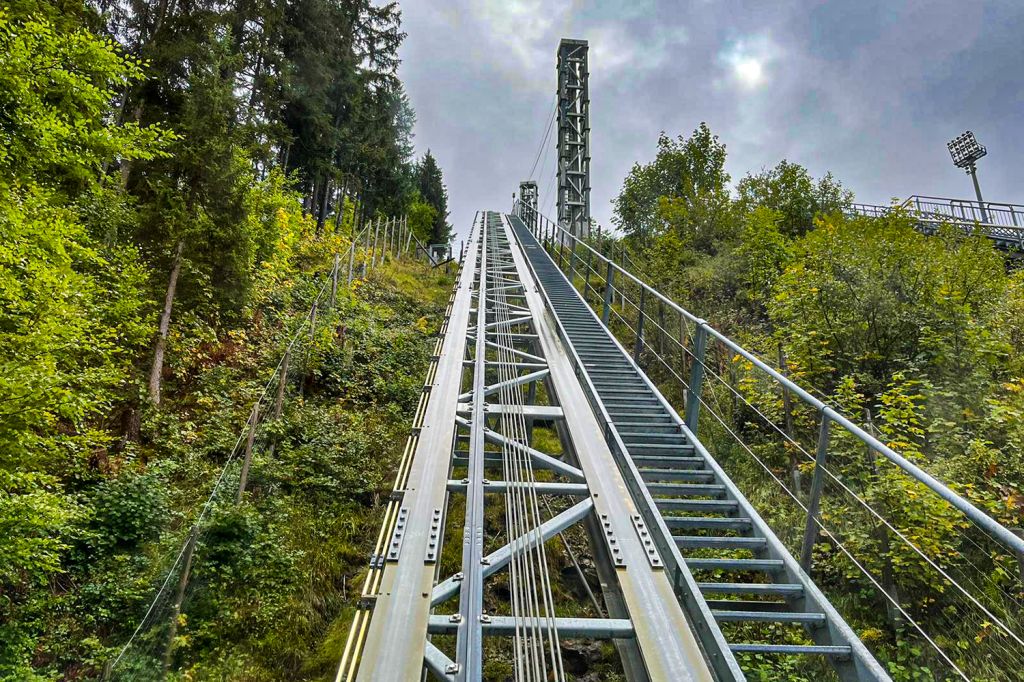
pixel 965 151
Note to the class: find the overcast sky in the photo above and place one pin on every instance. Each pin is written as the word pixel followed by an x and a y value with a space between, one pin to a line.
pixel 869 89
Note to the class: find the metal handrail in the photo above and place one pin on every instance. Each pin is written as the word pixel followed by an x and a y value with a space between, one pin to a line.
pixel 1005 536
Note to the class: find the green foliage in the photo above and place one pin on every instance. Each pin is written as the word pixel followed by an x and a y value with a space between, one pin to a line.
pixel 432 191
pixel 207 127
pixel 791 191
pixel 684 188
pixel 919 336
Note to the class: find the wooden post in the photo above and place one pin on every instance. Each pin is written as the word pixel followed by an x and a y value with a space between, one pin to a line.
pixel 334 279
pixel 881 534
pixel 179 597
pixel 661 327
pixel 376 238
pixel 609 291
pixel 586 285
pixel 351 256
pixel 696 378
pixel 282 384
pixel 243 478
pixel 366 249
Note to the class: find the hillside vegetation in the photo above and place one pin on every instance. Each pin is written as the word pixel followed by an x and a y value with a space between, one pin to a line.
pixel 175 180
pixel 920 338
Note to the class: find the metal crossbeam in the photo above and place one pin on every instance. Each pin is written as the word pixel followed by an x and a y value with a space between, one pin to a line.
pixel 570 628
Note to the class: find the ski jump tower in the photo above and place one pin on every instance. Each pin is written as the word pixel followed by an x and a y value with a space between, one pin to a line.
pixel 573 137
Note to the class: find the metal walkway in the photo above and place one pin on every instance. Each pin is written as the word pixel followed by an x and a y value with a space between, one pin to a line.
pixel 499 375
pixel 747 575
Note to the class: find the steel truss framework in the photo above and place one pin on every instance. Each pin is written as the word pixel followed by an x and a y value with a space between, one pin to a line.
pixel 529 196
pixel 500 374
pixel 574 137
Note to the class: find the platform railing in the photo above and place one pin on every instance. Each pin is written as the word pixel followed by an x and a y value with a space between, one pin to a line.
pixel 1000 221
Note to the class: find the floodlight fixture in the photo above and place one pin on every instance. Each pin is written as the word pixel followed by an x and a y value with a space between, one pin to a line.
pixel 966 150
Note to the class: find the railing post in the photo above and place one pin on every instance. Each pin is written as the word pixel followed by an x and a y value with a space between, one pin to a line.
pixel 586 275
pixel 700 343
pixel 609 279
pixel 817 484
pixel 639 347
pixel 572 263
pixel 787 414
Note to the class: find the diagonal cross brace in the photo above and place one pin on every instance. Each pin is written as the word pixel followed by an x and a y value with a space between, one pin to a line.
pixel 518 381
pixel 499 558
pixel 546 460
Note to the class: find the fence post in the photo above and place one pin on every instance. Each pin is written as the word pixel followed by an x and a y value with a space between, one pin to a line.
pixel 376 239
pixel 817 483
pixel 366 249
pixel 351 256
pixel 639 347
pixel 334 278
pixel 179 597
pixel 609 278
pixel 282 384
pixel 700 343
pixel 243 478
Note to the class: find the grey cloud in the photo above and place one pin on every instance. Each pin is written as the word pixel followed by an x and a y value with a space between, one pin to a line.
pixel 870 90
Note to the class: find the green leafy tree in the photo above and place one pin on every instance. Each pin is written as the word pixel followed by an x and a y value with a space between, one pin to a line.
pixel 71 306
pixel 685 188
pixel 789 189
pixel 430 183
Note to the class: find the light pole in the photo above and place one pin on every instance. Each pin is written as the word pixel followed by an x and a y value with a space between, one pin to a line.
pixel 966 151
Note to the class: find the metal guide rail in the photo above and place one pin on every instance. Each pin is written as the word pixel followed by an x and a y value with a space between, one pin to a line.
pixel 500 377
pixel 707 527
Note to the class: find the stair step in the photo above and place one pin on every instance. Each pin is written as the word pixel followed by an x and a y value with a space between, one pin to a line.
pixel 707 522
pixel 630 426
pixel 791 649
pixel 713 542
pixel 747 605
pixel 686 489
pixel 668 462
pixel 769 617
pixel 664 474
pixel 682 504
pixel 768 565
pixel 767 589
pixel 667 438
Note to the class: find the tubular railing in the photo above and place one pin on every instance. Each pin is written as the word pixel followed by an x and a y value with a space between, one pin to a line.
pixel 1000 221
pixel 744 407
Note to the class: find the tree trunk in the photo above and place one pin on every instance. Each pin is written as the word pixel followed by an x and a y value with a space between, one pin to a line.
pixel 165 324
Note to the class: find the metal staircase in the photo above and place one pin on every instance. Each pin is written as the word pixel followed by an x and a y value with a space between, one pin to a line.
pixel 745 573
